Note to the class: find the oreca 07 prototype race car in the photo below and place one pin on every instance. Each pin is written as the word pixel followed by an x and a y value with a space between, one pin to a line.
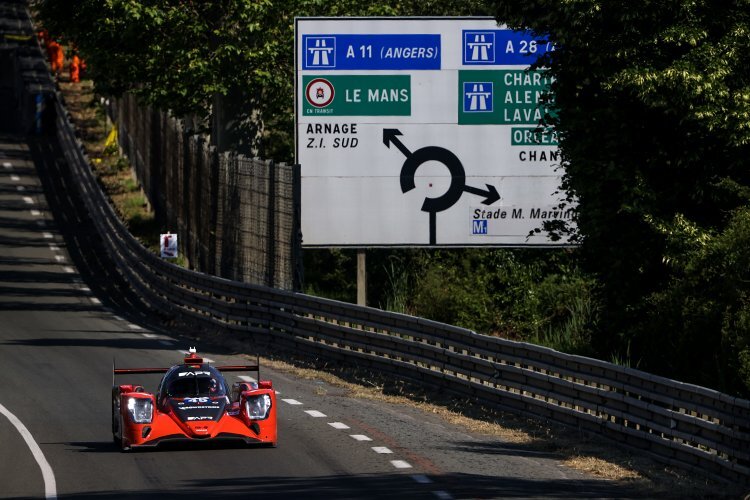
pixel 193 403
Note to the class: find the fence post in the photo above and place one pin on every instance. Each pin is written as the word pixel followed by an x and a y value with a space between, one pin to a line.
pixel 271 226
pixel 298 270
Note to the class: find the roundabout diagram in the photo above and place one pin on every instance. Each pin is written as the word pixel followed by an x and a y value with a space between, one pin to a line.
pixel 433 205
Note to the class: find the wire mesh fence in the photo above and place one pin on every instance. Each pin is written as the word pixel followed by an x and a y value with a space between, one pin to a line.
pixel 235 217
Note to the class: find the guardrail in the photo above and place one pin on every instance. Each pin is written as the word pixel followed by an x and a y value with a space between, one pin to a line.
pixel 681 424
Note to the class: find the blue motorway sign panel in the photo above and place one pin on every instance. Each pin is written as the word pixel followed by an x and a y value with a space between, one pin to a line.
pixel 502 47
pixel 371 52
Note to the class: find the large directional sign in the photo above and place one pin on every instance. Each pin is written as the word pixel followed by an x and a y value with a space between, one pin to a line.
pixel 424 131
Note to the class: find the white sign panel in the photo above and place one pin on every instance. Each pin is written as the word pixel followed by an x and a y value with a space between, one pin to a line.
pixel 416 132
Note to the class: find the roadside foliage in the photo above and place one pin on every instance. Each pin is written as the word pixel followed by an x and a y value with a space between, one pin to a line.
pixel 653 119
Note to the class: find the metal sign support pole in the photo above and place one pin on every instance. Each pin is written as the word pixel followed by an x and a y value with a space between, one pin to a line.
pixel 361 277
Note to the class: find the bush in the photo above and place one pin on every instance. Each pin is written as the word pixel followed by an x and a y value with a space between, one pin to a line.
pixel 698 329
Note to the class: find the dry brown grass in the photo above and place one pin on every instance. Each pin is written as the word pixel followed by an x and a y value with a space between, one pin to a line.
pixel 114 172
pixel 586 453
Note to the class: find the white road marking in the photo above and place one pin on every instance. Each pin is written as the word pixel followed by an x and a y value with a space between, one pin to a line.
pixel 149 335
pixel 20 188
pixel 421 479
pixel 15 178
pixel 442 495
pixel 7 164
pixel 68 269
pixel 315 413
pixel 134 327
pixel 50 486
pixel 292 402
pixel 28 200
pixel 54 247
pixel 96 301
pixel 246 378
pixel 339 425
pixel 48 235
pixel 86 289
pixel 401 464
pixel 60 258
pixel 36 213
pixel 359 437
pixel 381 449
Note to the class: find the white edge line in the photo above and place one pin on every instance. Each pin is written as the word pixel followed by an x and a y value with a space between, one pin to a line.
pixel 50 486
pixel 381 449
pixel 291 402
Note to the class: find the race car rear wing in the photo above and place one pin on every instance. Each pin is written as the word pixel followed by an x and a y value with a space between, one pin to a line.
pixel 191 359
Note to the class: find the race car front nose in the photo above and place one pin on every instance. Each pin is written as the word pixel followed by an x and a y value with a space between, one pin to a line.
pixel 201 429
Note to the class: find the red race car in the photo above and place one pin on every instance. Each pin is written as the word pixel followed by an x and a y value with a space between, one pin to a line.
pixel 193 403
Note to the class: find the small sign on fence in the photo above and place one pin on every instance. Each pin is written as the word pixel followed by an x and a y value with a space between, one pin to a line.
pixel 168 245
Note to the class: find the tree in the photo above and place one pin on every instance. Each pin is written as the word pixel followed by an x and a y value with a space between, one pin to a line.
pixel 180 55
pixel 653 115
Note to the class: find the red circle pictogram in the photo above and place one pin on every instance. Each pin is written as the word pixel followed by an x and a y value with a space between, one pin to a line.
pixel 319 92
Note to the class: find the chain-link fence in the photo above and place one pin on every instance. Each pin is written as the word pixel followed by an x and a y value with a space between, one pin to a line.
pixel 235 217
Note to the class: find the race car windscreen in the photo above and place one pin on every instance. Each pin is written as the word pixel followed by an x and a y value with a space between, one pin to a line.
pixel 195 385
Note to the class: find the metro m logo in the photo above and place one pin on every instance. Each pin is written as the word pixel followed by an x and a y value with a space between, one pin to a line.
pixel 479 226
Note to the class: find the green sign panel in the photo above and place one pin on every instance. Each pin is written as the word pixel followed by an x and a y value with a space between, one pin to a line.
pixel 532 136
pixel 502 97
pixel 356 95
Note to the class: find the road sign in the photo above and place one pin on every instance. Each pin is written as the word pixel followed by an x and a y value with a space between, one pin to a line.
pixel 424 131
pixel 168 245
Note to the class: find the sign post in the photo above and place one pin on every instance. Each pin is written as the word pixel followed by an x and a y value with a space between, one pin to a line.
pixel 423 132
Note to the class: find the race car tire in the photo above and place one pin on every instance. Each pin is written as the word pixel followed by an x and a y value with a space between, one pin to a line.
pixel 116 425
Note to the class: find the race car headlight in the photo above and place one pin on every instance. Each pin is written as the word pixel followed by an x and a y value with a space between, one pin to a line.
pixel 141 410
pixel 258 407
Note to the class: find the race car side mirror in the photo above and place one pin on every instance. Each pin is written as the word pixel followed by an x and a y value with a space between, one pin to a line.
pixel 265 384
